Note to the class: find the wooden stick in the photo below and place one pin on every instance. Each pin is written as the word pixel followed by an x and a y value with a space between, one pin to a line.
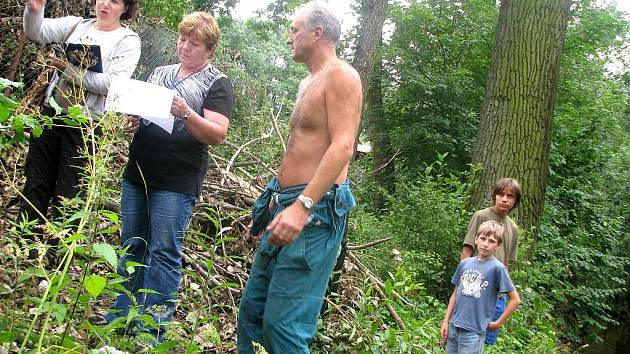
pixel 369 244
pixel 206 275
pixel 274 122
pixel 374 279
pixel 379 291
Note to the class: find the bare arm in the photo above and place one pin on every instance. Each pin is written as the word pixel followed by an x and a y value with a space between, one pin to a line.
pixel 209 129
pixel 467 251
pixel 343 107
pixel 449 313
pixel 513 303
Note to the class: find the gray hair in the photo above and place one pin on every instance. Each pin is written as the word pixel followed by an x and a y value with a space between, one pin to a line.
pixel 318 15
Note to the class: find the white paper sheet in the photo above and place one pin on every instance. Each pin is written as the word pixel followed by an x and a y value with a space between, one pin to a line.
pixel 149 101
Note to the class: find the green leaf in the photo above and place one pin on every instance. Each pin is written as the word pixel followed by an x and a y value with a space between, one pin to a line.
pixel 8 83
pixel 7 102
pixel 74 237
pixel 106 251
pixel 79 215
pixel 7 337
pixel 165 347
pixel 193 348
pixel 95 284
pixel 150 291
pixel 32 272
pixel 111 216
pixel 4 113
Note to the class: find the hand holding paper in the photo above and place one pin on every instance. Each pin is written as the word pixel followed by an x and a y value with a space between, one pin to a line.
pixel 151 102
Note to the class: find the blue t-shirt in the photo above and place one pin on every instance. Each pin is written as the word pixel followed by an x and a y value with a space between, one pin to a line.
pixel 479 284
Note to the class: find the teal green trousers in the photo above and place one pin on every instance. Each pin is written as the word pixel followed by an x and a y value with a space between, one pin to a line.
pixel 286 287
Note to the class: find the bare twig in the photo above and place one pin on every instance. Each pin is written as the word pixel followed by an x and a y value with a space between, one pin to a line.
pixel 274 122
pixel 240 149
pixel 200 269
pixel 374 279
pixel 379 291
pixel 369 244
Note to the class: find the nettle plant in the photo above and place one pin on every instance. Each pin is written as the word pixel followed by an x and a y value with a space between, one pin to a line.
pixel 13 126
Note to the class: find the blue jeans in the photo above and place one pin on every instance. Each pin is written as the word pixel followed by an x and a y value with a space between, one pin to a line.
pixel 285 291
pixel 491 336
pixel 153 226
pixel 462 341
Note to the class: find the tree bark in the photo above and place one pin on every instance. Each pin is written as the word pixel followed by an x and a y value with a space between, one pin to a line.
pixel 378 135
pixel 372 17
pixel 514 133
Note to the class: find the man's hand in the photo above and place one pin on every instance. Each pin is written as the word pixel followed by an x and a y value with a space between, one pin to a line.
pixel 36 5
pixel 287 225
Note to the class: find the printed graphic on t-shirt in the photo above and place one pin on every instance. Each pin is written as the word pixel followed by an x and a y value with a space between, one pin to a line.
pixel 473 283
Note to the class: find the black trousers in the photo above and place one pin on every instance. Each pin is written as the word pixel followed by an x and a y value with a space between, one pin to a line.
pixel 54 166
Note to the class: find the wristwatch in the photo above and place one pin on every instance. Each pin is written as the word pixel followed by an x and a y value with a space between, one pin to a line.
pixel 306 201
pixel 185 116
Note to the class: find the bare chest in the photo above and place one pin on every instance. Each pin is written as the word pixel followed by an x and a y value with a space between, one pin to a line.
pixel 310 107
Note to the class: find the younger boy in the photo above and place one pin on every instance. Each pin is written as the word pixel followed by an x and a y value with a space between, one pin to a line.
pixel 506 196
pixel 478 283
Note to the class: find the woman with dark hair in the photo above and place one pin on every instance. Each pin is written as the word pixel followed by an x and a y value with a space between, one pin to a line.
pixel 55 159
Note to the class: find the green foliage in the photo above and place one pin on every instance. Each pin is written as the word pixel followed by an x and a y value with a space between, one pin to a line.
pixel 437 60
pixel 170 11
pixel 580 265
pixel 13 127
pixel 428 218
pixel 366 326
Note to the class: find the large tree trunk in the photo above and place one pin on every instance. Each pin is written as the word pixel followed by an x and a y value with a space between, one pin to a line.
pixel 515 125
pixel 372 16
pixel 378 134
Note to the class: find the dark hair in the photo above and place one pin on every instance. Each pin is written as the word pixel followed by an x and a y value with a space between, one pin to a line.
pixel 133 7
pixel 507 184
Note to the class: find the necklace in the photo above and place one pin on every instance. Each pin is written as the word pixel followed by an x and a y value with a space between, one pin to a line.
pixel 177 80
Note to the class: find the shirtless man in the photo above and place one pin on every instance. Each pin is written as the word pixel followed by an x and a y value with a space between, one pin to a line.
pixel 302 214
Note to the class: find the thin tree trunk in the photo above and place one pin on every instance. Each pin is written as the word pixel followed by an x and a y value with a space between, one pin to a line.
pixel 514 133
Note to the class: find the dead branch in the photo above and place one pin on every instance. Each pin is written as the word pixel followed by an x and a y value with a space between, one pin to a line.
pixel 375 280
pixel 379 290
pixel 200 269
pixel 274 122
pixel 369 244
pixel 234 146
pixel 241 148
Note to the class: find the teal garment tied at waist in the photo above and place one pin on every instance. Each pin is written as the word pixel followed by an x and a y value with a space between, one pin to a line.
pixel 338 201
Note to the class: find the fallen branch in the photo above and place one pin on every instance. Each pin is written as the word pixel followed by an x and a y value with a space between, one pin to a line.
pixel 379 290
pixel 206 275
pixel 369 244
pixel 274 122
pixel 374 279
pixel 238 151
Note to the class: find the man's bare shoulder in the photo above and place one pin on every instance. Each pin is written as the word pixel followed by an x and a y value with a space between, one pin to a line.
pixel 340 69
pixel 342 77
